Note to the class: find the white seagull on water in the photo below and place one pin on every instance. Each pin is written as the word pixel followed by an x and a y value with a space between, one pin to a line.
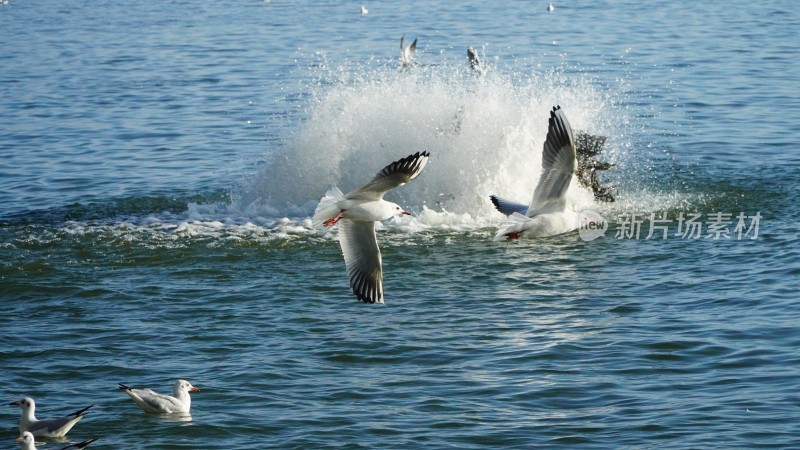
pixel 26 442
pixel 356 214
pixel 155 403
pixel 547 214
pixel 51 428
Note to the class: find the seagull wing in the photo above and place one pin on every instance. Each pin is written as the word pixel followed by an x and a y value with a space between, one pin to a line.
pixel 151 401
pixel 558 165
pixel 362 258
pixel 80 445
pixel 159 402
pixel 395 174
pixel 48 426
pixel 508 207
pixel 54 426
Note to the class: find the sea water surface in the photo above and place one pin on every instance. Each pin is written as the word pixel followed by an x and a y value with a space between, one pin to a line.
pixel 160 161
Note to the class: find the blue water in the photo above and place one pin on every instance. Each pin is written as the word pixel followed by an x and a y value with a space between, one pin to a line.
pixel 160 161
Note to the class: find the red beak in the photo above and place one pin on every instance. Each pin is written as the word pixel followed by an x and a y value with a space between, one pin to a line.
pixel 406 213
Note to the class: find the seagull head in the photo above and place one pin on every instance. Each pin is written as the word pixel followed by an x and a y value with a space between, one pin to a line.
pixel 184 386
pixel 26 438
pixel 27 404
pixel 393 209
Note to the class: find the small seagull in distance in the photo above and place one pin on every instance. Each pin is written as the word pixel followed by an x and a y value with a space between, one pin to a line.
pixel 550 7
pixel 475 62
pixel 407 52
pixel 364 10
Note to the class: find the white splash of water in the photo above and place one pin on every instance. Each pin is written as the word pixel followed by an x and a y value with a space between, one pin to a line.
pixel 485 137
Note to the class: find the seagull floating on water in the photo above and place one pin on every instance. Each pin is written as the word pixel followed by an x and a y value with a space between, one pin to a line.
pixel 547 214
pixel 356 214
pixel 26 442
pixel 52 428
pixel 550 7
pixel 155 403
pixel 407 52
pixel 364 10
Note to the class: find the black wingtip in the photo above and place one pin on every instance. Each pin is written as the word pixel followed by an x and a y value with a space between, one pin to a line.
pixel 123 387
pixel 85 443
pixel 365 299
pixel 412 158
pixel 493 198
pixel 82 411
pixel 366 289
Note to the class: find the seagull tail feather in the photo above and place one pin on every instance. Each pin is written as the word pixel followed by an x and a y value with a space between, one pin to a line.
pixel 512 227
pixel 328 207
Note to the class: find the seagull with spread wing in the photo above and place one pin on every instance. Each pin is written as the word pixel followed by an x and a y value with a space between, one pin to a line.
pixel 356 214
pixel 407 53
pixel 547 215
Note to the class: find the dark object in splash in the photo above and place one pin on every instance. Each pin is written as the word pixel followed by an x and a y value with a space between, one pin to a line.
pixel 587 146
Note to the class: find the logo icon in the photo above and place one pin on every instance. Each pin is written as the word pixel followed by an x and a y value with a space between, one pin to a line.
pixel 592 225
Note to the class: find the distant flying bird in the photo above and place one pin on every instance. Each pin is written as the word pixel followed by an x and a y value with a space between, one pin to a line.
pixel 155 403
pixel 475 62
pixel 356 214
pixel 407 53
pixel 52 428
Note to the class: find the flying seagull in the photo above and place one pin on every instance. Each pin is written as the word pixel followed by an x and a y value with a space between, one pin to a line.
pixel 356 214
pixel 475 62
pixel 407 52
